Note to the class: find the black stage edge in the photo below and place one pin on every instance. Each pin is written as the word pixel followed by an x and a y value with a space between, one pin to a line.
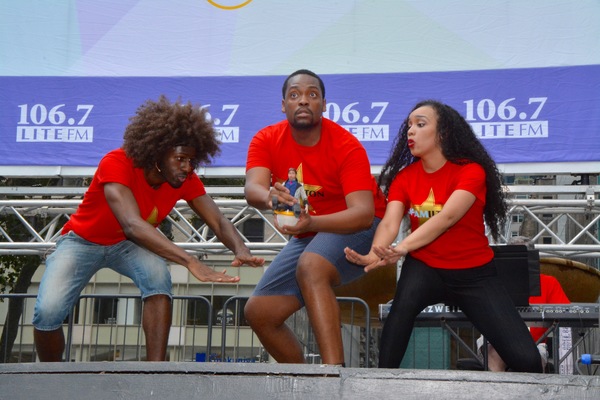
pixel 189 380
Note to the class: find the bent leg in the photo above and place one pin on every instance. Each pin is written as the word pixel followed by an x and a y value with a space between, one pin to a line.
pixel 485 301
pixel 156 323
pixel 418 287
pixel 495 362
pixel 151 275
pixel 267 315
pixel 316 278
pixel 68 269
pixel 506 331
pixel 323 266
pixel 275 298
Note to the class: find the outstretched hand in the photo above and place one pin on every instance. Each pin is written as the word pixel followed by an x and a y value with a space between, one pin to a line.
pixel 206 274
pixel 247 259
pixel 379 256
pixel 369 261
pixel 389 254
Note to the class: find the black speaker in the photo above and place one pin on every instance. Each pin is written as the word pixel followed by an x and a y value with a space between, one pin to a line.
pixel 519 270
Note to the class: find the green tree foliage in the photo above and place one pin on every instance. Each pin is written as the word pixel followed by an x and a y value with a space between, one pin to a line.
pixel 9 267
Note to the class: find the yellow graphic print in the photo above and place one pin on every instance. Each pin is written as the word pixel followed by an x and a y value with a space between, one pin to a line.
pixel 153 217
pixel 307 188
pixel 427 209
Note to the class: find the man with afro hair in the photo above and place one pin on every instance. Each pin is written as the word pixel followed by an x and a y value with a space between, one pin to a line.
pixel 133 190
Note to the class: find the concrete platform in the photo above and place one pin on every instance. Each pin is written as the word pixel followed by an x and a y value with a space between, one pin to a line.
pixel 169 380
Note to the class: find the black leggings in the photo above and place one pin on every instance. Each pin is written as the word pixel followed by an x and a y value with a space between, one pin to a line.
pixel 479 294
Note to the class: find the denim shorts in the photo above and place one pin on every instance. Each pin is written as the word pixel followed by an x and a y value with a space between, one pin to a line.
pixel 71 266
pixel 280 276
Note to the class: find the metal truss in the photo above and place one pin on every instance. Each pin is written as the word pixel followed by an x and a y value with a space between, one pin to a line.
pixel 39 237
pixel 566 217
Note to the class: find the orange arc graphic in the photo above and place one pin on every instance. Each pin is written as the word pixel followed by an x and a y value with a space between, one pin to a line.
pixel 214 3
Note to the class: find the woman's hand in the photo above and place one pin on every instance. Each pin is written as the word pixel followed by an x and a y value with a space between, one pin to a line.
pixel 390 254
pixel 369 261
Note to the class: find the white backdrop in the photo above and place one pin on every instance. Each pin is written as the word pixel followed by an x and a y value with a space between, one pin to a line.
pixel 496 61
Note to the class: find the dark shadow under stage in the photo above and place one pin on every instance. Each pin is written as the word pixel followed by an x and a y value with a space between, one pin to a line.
pixel 168 380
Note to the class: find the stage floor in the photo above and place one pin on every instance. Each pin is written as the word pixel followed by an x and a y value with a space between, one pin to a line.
pixel 170 380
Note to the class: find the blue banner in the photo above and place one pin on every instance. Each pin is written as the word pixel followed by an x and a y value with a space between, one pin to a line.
pixel 532 115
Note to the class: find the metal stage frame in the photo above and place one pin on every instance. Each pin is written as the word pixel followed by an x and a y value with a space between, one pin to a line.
pixel 568 215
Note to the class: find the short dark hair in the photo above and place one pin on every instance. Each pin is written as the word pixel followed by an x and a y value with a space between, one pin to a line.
pixel 303 72
pixel 159 126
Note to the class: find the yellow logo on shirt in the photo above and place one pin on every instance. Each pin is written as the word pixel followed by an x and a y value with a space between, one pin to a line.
pixel 427 209
pixel 309 189
pixel 153 217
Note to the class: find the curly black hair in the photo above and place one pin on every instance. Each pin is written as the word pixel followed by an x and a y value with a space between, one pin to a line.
pixel 460 146
pixel 159 126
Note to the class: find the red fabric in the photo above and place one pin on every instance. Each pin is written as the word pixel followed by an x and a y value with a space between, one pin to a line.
pixel 334 167
pixel 95 221
pixel 551 293
pixel 464 245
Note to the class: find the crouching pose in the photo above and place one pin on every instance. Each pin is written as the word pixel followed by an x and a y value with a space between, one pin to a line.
pixel 133 190
pixel 440 174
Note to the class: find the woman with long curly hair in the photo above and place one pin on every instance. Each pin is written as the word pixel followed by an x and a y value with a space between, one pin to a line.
pixel 133 190
pixel 441 176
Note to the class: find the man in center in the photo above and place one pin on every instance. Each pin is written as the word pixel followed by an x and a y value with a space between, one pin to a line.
pixel 346 206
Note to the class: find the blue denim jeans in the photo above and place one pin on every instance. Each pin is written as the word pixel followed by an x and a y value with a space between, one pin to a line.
pixel 75 261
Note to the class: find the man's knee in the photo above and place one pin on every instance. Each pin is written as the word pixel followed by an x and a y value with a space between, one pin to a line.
pixel 265 311
pixel 250 312
pixel 315 269
pixel 156 281
pixel 255 313
pixel 49 315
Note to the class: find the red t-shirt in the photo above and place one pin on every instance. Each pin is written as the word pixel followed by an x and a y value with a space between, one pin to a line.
pixel 336 166
pixel 95 221
pixel 464 245
pixel 551 293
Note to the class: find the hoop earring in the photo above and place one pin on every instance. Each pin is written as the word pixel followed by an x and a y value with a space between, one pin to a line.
pixel 158 169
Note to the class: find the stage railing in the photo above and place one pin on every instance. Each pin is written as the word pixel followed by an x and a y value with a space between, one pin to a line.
pixel 357 342
pixel 572 329
pixel 108 327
